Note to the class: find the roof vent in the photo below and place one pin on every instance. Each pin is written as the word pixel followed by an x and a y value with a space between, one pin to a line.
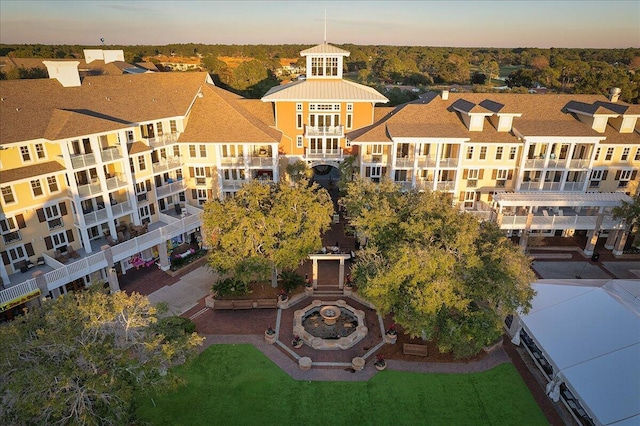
pixel 200 95
pixel 614 94
pixel 445 95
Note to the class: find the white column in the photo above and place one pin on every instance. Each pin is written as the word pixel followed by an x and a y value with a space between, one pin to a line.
pixel 314 273
pixel 341 275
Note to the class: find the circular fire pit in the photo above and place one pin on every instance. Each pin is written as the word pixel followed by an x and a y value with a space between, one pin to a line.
pixel 330 314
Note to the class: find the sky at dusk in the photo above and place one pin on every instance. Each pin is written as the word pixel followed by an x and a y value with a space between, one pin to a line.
pixel 588 24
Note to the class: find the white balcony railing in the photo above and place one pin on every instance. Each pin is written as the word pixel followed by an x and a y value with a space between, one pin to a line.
pixel 170 188
pixel 326 153
pixel 426 161
pixel 232 161
pixel 534 163
pixel 63 274
pixel 445 186
pixel 117 181
pixel 573 186
pixel 558 222
pixel 405 162
pixel 160 141
pixel 89 189
pixel 337 131
pixel 95 217
pixel 111 153
pixel 167 164
pixel 229 184
pixel 121 209
pixel 83 160
pixel 551 186
pixel 375 158
pixel 578 164
pixel 261 161
pixel 448 162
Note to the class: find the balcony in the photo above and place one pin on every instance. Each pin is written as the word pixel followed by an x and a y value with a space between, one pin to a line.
pixel 116 181
pixel 551 186
pixel 446 186
pixel 405 162
pixel 448 162
pixel 167 164
pixel 326 153
pixel 83 160
pixel 426 161
pixel 573 186
pixel 170 188
pixel 111 153
pixel 375 158
pixel 334 131
pixel 121 209
pixel 95 217
pixel 578 164
pixel 89 189
pixel 232 185
pixel 405 186
pixel 422 185
pixel 261 162
pixel 164 140
pixel 232 161
pixel 534 163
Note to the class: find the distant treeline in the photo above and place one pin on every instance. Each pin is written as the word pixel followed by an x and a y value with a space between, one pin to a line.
pixel 558 69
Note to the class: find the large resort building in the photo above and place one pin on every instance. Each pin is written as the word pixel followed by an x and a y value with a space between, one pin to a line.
pixel 104 173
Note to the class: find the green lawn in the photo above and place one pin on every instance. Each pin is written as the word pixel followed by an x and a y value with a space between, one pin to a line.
pixel 237 385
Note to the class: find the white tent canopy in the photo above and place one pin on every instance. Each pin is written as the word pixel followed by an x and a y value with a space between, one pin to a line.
pixel 590 333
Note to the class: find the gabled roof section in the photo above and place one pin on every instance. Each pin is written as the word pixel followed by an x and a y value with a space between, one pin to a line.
pixel 324 49
pixel 138 147
pixel 30 108
pixel 27 172
pixel 492 106
pixel 318 90
pixel 219 116
pixel 619 108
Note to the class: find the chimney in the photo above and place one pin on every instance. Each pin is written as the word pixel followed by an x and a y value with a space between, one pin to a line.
pixel 445 95
pixel 614 94
pixel 66 72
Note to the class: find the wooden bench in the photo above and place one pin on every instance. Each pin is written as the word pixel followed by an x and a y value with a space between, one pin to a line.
pixel 223 304
pixel 267 303
pixel 242 304
pixel 412 349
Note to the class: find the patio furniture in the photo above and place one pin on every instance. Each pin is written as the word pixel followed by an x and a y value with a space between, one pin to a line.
pixel 60 257
pixel 40 260
pixel 73 253
pixel 413 349
pixel 178 208
pixel 110 240
pixel 24 265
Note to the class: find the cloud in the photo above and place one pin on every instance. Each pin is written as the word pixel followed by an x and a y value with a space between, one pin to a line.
pixel 128 7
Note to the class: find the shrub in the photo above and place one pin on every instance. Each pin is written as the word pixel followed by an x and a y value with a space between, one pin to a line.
pixel 174 327
pixel 290 280
pixel 230 287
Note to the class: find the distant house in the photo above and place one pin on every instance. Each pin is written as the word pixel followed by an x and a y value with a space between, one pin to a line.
pixel 176 63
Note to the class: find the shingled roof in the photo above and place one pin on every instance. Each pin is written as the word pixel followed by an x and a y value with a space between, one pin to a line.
pixel 100 104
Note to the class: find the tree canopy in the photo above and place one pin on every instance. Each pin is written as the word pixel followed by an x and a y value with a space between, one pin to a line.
pixel 265 226
pixel 442 273
pixel 629 211
pixel 81 358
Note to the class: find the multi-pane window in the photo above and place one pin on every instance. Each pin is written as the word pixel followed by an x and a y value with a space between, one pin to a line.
pixel 512 153
pixel 173 126
pixel 501 176
pixel 499 153
pixel 469 152
pixel 36 187
pixel 625 154
pixel 142 165
pixel 203 150
pixel 483 153
pixel 201 196
pixel 59 240
pixel 597 154
pixel 53 217
pixel 192 151
pixel 129 136
pixel 332 66
pixel 317 66
pixel 472 176
pixel 24 152
pixel 349 120
pixel 299 121
pixel 596 177
pixel 299 107
pixel 637 157
pixel 299 141
pixel 609 154
pixel 7 195
pixel 176 151
pixel 624 176
pixel 349 107
pixel 159 127
pixel 40 151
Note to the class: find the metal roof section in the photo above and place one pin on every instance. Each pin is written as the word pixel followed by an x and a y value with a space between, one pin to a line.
pixel 467 107
pixel 324 91
pixel 562 199
pixel 325 49
pixel 589 109
pixel 491 105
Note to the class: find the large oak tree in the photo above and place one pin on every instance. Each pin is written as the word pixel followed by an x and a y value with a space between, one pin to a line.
pixel 266 227
pixel 82 358
pixel 442 273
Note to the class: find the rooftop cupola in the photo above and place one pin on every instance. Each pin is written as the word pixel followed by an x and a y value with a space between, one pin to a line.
pixel 324 61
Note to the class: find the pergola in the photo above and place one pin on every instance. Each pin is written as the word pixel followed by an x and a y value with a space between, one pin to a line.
pixel 329 256
pixel 559 199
